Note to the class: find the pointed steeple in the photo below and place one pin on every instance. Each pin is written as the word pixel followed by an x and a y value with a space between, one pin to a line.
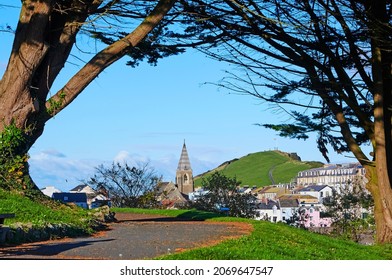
pixel 184 163
pixel 184 176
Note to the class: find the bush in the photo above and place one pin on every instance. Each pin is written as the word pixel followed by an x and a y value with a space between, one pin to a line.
pixel 128 186
pixel 351 210
pixel 223 196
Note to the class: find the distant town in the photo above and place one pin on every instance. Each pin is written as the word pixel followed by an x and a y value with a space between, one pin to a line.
pixel 302 200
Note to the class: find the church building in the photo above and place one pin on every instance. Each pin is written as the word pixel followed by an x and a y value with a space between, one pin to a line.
pixel 184 175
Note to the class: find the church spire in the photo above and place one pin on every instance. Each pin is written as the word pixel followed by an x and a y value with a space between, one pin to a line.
pixel 184 176
pixel 184 162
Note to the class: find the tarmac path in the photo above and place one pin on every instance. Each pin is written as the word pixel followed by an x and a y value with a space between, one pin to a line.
pixel 132 237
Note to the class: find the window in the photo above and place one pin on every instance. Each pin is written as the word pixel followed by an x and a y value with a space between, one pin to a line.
pixel 185 179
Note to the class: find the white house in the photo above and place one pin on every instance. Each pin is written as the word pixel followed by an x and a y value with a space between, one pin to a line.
pixel 100 200
pixel 94 199
pixel 193 196
pixel 269 210
pixel 83 189
pixel 288 208
pixel 318 191
pixel 50 190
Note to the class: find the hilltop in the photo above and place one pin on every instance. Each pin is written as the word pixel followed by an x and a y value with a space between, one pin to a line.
pixel 262 168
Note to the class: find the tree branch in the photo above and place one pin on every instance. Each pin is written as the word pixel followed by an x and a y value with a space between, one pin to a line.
pixel 106 57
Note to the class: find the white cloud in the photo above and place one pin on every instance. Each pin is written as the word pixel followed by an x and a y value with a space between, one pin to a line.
pixel 51 167
pixel 165 166
pixel 55 169
pixel 53 153
pixel 131 159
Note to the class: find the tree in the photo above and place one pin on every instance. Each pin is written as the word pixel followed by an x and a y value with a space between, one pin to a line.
pixel 300 218
pixel 351 210
pixel 327 63
pixel 223 195
pixel 128 186
pixel 46 33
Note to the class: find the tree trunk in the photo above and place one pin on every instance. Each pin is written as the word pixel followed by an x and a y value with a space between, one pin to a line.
pixel 43 40
pixel 42 44
pixel 382 195
pixel 380 175
pixel 18 103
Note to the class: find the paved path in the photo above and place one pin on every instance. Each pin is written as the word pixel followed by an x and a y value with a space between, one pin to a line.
pixel 270 174
pixel 134 236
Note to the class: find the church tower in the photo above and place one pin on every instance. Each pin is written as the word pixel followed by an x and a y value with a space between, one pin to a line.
pixel 184 176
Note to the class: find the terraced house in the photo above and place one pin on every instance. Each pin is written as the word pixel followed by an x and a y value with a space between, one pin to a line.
pixel 332 175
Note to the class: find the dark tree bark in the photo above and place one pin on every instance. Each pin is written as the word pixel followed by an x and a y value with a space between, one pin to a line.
pixel 45 35
pixel 330 58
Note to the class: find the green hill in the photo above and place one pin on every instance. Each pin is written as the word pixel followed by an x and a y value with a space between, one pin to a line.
pixel 262 168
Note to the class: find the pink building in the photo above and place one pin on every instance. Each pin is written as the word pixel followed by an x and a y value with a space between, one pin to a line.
pixel 309 217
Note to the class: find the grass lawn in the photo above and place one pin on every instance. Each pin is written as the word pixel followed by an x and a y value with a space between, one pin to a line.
pixel 44 212
pixel 273 242
pixel 267 241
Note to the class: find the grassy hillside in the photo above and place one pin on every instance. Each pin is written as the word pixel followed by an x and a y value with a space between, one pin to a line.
pixel 259 168
pixel 271 241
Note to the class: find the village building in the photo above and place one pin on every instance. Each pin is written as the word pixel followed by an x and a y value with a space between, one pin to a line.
pixel 94 198
pixel 303 199
pixel 271 192
pixel 194 196
pixel 289 207
pixel 319 191
pixel 176 195
pixel 49 190
pixel 309 217
pixel 79 199
pixel 184 175
pixel 82 188
pixel 170 196
pixel 268 210
pixel 333 175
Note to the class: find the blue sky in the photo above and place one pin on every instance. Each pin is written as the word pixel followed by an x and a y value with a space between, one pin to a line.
pixel 145 114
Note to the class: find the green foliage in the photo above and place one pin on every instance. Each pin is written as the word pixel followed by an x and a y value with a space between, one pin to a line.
pixel 303 58
pixel 224 194
pixel 157 45
pixel 55 105
pixel 352 214
pixel 13 162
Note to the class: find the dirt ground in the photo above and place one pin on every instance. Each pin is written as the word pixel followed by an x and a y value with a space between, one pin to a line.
pixel 133 236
